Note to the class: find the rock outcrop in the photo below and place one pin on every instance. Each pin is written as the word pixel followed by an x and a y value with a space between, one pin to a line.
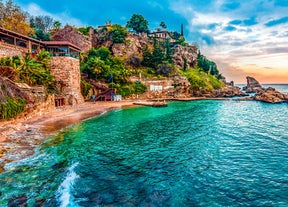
pixel 70 34
pixel 228 91
pixel 253 86
pixel 271 95
pixel 185 55
pixel 133 45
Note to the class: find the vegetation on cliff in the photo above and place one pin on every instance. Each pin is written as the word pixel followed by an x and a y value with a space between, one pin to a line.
pixel 100 65
pixel 200 80
pixel 109 62
pixel 29 70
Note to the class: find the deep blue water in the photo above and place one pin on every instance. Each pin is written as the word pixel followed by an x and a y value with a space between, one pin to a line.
pixel 201 153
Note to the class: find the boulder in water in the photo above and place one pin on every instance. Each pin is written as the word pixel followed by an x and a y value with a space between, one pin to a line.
pixel 271 95
pixel 18 202
pixel 252 85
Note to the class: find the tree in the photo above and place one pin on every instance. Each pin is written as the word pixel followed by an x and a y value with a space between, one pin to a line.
pixel 138 23
pixel 84 30
pixel 119 33
pixel 163 25
pixel 147 57
pixel 40 35
pixel 207 65
pixel 13 18
pixel 35 71
pixel 43 23
pixel 56 27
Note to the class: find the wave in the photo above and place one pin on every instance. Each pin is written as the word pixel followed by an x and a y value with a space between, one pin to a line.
pixel 63 194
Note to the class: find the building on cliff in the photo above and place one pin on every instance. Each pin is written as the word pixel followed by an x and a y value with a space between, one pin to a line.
pixel 65 65
pixel 162 34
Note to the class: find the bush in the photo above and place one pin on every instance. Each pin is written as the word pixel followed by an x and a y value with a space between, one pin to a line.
pixel 12 107
pixel 118 33
pixel 85 87
pixel 133 61
pixel 164 69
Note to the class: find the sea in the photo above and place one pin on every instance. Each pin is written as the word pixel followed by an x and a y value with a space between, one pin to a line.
pixel 198 153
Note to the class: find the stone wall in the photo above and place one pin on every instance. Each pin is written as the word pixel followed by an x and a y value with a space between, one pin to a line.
pixel 66 71
pixel 7 50
pixel 75 37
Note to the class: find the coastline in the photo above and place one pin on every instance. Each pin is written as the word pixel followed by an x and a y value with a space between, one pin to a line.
pixel 19 138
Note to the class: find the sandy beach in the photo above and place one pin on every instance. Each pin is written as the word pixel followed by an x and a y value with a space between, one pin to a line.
pixel 19 138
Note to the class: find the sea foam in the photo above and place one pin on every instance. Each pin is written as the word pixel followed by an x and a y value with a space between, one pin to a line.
pixel 63 194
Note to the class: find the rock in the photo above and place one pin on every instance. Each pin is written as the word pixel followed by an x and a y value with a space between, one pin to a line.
pixel 133 45
pixel 185 55
pixel 252 85
pixel 228 91
pixel 271 95
pixel 18 202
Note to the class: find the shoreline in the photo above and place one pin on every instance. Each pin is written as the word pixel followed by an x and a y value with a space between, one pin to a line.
pixel 19 137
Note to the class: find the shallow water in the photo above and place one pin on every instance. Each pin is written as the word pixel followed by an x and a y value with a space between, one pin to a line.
pixel 201 153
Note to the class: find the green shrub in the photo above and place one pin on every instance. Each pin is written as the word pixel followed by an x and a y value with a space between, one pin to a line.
pixel 85 87
pixel 12 107
pixel 119 33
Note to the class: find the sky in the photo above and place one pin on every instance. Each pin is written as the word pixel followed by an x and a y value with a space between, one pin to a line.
pixel 244 38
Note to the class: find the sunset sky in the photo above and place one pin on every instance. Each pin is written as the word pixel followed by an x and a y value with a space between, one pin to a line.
pixel 242 37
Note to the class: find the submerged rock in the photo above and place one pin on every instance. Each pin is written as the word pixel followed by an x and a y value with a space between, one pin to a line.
pixel 18 202
pixel 252 85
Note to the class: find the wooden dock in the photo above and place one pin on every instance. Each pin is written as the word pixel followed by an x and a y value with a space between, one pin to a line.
pixel 151 103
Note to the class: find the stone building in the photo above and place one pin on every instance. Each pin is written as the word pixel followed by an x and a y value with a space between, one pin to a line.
pixel 65 65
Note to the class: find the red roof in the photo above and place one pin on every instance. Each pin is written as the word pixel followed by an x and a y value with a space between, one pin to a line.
pixel 44 43
pixel 61 43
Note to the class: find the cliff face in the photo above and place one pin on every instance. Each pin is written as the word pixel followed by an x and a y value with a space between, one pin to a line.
pixel 185 55
pixel 135 43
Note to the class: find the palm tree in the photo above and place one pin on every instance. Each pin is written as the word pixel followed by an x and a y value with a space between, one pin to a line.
pixel 57 25
pixel 33 72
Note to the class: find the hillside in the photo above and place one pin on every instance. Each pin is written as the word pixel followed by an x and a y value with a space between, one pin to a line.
pixel 138 62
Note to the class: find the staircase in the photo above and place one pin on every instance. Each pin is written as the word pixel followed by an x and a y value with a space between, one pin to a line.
pixel 105 94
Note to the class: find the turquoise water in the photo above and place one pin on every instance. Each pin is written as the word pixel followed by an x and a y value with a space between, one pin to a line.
pixel 201 153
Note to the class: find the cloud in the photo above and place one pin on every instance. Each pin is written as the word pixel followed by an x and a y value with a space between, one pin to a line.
pixel 272 23
pixel 64 17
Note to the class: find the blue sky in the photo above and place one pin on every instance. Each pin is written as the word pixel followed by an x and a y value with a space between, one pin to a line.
pixel 242 37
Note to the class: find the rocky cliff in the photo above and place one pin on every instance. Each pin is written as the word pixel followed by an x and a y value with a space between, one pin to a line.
pixel 185 55
pixel 135 43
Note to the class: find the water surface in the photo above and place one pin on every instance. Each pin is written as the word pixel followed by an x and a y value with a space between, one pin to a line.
pixel 201 153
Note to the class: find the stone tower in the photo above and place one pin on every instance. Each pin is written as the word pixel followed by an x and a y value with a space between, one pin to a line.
pixel 66 71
